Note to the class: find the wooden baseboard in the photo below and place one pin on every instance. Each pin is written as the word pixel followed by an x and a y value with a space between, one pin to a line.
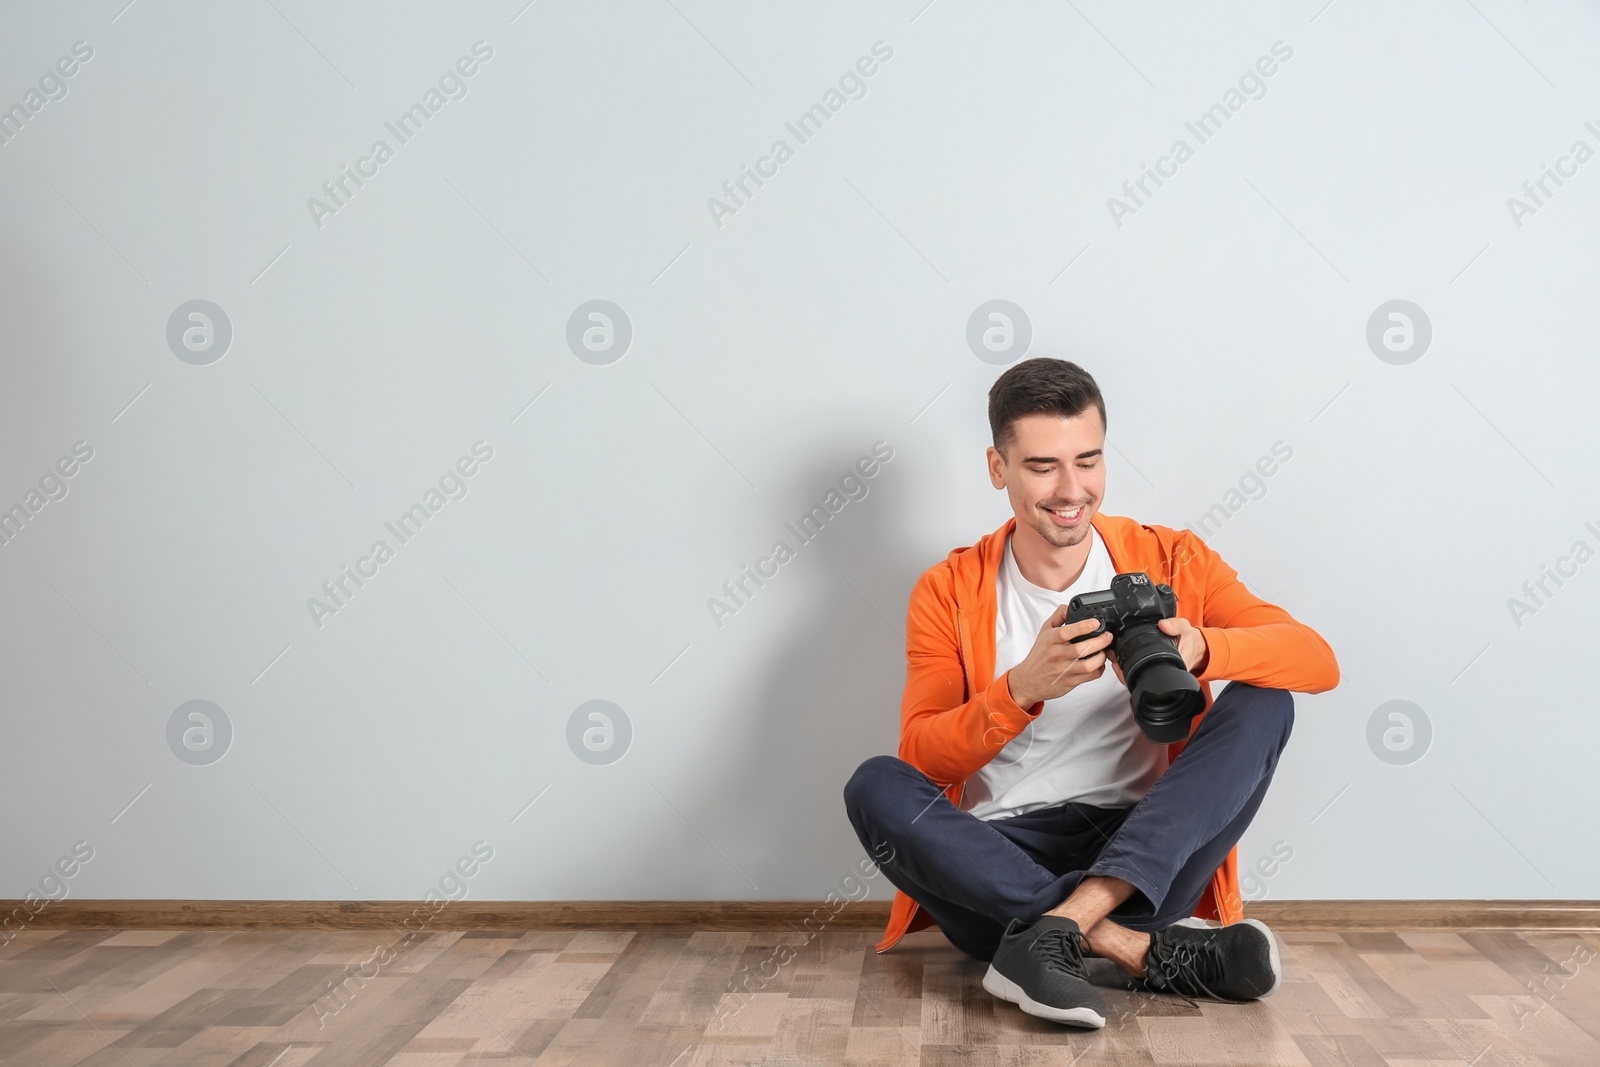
pixel 458 915
pixel 869 915
pixel 1427 914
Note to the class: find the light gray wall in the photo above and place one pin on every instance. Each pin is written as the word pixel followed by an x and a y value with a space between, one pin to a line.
pixel 771 347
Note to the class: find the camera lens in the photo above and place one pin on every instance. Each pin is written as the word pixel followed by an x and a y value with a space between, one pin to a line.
pixel 1166 698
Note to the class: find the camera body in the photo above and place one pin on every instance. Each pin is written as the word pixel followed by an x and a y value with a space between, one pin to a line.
pixel 1165 695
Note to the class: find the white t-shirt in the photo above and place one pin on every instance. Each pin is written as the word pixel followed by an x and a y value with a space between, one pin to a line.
pixel 1084 746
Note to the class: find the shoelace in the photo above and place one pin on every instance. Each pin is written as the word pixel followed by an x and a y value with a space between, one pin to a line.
pixel 1187 968
pixel 1061 949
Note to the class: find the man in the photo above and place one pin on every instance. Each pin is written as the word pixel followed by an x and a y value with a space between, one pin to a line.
pixel 1027 814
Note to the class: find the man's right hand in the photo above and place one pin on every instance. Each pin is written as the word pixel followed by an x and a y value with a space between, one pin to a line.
pixel 1055 665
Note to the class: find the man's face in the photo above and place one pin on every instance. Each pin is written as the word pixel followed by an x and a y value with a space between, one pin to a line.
pixel 1053 466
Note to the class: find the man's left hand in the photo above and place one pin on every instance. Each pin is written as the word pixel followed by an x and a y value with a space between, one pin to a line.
pixel 1191 642
pixel 1191 646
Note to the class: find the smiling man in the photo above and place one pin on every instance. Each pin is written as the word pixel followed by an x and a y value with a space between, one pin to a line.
pixel 1027 814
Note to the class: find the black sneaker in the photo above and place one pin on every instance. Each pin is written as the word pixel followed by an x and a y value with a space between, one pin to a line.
pixel 1039 968
pixel 1194 959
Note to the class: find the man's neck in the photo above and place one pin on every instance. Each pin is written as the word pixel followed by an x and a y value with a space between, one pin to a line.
pixel 1044 564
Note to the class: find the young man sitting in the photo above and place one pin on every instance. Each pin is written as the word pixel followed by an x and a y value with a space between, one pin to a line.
pixel 1028 815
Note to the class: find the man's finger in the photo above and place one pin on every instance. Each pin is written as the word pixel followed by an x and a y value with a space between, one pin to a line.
pixel 1086 665
pixel 1077 653
pixel 1075 633
pixel 1096 644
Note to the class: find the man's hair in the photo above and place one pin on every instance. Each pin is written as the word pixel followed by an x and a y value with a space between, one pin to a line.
pixel 1040 386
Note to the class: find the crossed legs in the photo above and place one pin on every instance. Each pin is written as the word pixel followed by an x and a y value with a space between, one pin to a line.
pixel 1119 873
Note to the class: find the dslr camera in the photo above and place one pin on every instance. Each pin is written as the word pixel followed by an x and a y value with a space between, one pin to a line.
pixel 1165 695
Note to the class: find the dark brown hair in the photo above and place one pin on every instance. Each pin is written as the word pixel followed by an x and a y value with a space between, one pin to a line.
pixel 1040 386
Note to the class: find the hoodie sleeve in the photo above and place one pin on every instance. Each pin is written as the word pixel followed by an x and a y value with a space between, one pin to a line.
pixel 1247 639
pixel 942 733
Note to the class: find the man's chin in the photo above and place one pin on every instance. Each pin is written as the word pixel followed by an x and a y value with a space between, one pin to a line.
pixel 1063 536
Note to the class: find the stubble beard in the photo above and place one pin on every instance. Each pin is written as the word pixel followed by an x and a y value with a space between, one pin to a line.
pixel 1059 538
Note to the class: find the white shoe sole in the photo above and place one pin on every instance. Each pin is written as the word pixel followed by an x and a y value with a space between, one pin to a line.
pixel 1272 945
pixel 997 984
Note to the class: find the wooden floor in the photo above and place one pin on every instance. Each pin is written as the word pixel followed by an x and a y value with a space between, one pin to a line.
pixel 275 999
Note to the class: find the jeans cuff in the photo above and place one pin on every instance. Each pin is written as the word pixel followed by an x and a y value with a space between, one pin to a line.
pixel 1153 894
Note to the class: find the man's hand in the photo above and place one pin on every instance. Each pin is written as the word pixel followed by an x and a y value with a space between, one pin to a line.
pixel 1055 665
pixel 1191 642
pixel 1191 646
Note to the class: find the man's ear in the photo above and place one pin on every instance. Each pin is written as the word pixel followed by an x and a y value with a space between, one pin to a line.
pixel 997 464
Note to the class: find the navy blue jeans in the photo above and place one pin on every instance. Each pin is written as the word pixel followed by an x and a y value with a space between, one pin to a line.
pixel 974 876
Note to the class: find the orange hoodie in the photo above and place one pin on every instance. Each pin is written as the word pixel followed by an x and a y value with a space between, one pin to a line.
pixel 956 714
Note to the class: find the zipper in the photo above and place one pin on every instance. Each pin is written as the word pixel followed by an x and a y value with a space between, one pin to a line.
pixel 969 687
pixel 966 671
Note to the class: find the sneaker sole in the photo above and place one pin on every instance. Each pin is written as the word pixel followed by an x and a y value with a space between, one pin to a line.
pixel 998 985
pixel 1272 946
